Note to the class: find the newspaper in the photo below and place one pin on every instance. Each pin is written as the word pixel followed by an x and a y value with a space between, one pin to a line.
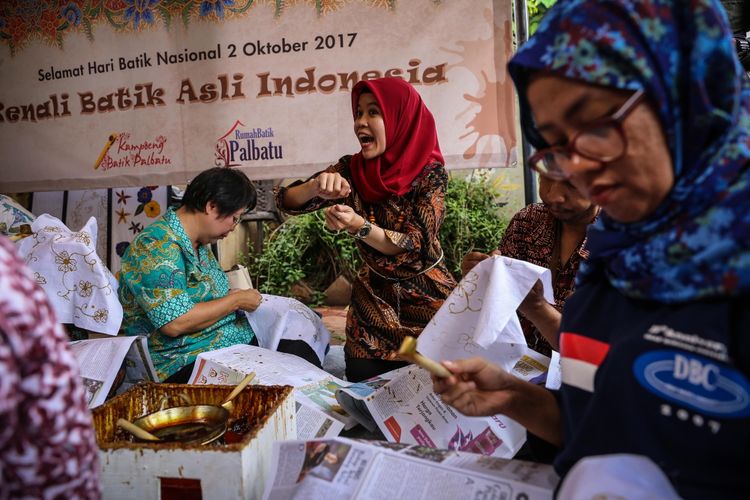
pixel 403 406
pixel 103 361
pixel 344 468
pixel 318 412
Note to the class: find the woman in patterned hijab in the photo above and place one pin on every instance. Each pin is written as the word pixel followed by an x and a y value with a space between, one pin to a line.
pixel 696 242
pixel 643 106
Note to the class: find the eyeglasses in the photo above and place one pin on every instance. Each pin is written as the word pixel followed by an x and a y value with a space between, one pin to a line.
pixel 236 219
pixel 602 140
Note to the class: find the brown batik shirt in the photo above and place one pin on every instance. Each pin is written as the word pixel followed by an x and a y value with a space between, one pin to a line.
pixel 394 295
pixel 530 237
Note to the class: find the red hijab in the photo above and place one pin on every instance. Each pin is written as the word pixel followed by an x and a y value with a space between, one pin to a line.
pixel 410 138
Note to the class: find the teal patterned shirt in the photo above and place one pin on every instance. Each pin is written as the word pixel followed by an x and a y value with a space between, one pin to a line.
pixel 160 280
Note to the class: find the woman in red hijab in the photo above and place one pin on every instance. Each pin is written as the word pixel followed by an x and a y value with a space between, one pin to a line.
pixel 389 197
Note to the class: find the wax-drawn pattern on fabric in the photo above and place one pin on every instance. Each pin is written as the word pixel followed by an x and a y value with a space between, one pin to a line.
pixel 78 261
pixel 466 340
pixel 309 315
pixel 22 21
pixel 122 197
pixel 463 293
pixel 122 216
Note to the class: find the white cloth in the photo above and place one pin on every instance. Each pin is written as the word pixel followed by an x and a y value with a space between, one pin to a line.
pixel 285 318
pixel 65 264
pixel 616 477
pixel 479 317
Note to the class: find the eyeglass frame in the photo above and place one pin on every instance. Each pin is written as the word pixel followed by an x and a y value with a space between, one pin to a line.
pixel 616 120
pixel 236 220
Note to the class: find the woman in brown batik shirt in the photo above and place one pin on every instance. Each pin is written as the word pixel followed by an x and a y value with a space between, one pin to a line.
pixel 390 198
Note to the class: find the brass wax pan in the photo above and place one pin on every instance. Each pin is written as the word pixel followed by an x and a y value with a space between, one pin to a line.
pixel 191 424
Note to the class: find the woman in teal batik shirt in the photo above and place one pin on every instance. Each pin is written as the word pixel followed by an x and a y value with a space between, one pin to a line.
pixel 171 285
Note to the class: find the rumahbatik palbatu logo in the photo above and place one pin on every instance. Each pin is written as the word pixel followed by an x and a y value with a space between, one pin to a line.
pixel 242 145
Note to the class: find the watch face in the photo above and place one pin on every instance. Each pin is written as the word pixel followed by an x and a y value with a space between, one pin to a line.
pixel 364 231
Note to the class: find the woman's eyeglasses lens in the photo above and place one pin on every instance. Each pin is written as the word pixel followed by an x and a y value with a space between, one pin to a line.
pixel 604 142
pixel 601 143
pixel 547 163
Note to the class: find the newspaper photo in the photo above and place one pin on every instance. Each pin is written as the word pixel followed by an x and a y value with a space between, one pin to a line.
pixel 108 362
pixel 343 468
pixel 318 412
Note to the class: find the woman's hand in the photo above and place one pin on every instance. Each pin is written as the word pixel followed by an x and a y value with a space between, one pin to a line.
pixel 534 300
pixel 246 300
pixel 339 217
pixel 330 186
pixel 541 313
pixel 471 259
pixel 476 388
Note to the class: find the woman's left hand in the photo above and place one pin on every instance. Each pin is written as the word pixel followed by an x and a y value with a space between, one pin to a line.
pixel 340 217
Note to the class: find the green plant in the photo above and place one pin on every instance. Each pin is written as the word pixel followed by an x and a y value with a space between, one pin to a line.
pixel 537 9
pixel 301 249
pixel 472 220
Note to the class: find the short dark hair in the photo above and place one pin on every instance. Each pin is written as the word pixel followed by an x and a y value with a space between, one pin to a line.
pixel 229 188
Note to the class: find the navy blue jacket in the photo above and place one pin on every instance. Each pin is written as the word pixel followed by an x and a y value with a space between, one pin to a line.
pixel 671 382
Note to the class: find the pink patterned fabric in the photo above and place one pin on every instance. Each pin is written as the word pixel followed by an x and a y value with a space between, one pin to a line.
pixel 47 447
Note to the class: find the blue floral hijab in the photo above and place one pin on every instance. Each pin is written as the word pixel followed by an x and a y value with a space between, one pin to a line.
pixel 697 242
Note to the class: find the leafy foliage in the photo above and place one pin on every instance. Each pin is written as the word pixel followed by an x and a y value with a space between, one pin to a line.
pixel 472 221
pixel 537 9
pixel 302 249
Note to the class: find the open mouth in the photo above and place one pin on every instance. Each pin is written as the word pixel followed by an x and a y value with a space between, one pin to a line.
pixel 365 139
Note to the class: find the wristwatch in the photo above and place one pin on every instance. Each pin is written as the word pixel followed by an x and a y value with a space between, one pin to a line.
pixel 363 232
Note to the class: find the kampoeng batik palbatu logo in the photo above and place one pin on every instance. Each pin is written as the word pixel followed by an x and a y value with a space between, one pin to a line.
pixel 123 150
pixel 242 145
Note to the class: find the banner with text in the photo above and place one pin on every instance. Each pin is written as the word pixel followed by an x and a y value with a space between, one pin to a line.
pixel 110 93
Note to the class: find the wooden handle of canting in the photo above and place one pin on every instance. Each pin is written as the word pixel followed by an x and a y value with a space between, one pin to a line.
pixel 248 378
pixel 431 366
pixel 136 431
pixel 408 352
